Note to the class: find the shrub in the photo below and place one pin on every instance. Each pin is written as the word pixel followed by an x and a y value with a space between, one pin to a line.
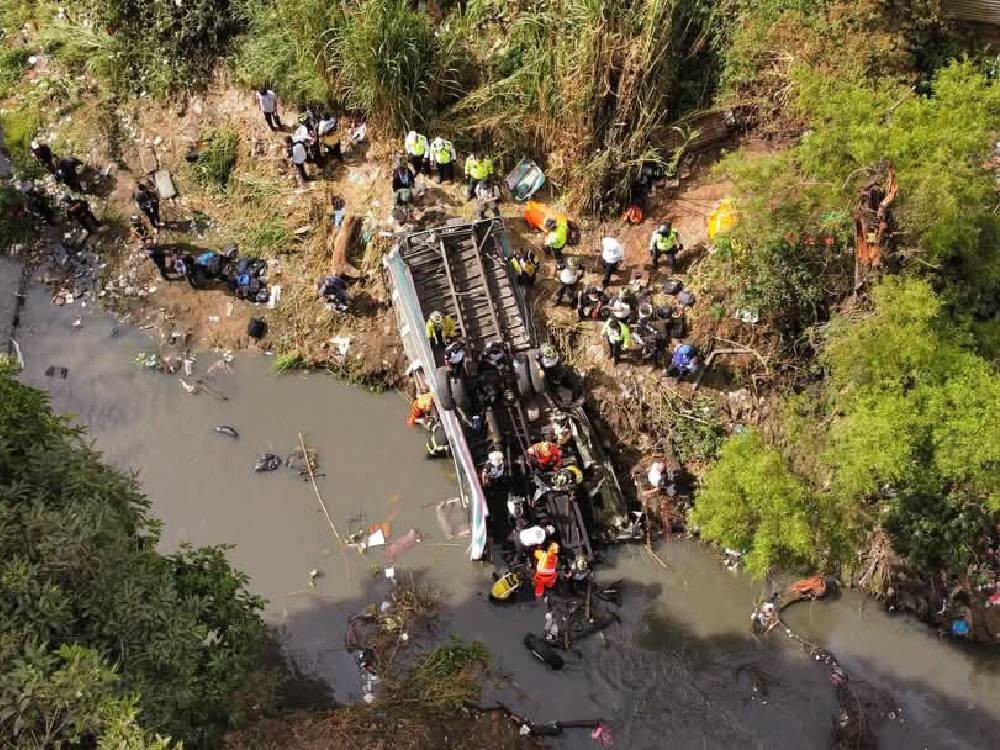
pixel 750 500
pixel 13 63
pixel 267 237
pixel 15 226
pixel 96 623
pixel 163 45
pixel 217 158
pixel 19 128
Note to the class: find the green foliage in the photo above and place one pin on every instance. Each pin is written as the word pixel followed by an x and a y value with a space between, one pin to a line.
pixel 98 628
pixel 285 47
pixel 217 158
pixel 13 63
pixel 390 64
pixel 19 128
pixel 15 225
pixel 750 500
pixel 944 210
pixel 162 45
pixel 439 684
pixel 288 361
pixel 698 440
pixel 267 237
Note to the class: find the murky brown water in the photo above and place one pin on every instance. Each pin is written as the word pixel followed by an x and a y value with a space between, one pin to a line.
pixel 676 673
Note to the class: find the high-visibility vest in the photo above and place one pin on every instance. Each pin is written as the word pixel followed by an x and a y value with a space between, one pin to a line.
pixel 446 327
pixel 478 169
pixel 556 239
pixel 443 152
pixel 622 334
pixel 666 242
pixel 523 266
pixel 547 562
pixel 416 146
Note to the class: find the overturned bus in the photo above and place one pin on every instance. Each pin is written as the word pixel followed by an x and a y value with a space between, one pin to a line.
pixel 463 270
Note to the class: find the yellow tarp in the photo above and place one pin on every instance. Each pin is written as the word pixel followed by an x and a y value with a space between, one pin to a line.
pixel 723 218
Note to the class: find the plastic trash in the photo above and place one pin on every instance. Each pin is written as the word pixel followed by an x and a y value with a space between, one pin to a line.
pixel 402 545
pixel 275 297
pixel 532 537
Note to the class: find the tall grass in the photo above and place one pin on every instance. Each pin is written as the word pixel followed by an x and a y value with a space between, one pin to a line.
pixel 19 127
pixel 217 159
pixel 390 63
pixel 13 63
pixel 285 47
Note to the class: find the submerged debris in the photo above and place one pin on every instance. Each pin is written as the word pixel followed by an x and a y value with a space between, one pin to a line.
pixel 267 462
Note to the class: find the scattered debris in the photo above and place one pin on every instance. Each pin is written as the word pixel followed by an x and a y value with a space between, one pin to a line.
pixel 267 462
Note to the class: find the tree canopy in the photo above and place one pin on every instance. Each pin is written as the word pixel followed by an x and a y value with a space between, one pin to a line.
pixel 103 640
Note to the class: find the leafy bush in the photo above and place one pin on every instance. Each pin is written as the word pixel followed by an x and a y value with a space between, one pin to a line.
pixel 937 145
pixel 750 500
pixel 97 624
pixel 217 158
pixel 162 45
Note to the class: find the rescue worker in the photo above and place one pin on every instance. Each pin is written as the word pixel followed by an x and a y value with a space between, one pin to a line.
pixel 525 265
pixel 545 456
pixel 477 169
pixel 494 355
pixel 148 202
pixel 440 328
pixel 402 183
pixel 488 197
pixel 37 202
pixel 437 440
pixel 612 254
pixel 493 469
pixel 621 308
pixel 556 237
pixel 417 151
pixel 665 241
pixel 333 290
pixel 569 277
pixel 684 362
pixel 591 303
pixel 568 477
pixel 443 154
pixel 296 151
pixel 43 153
pixel 184 267
pixel 618 337
pixel 454 357
pixel 548 358
pixel 505 586
pixel 79 210
pixel 327 140
pixel 421 410
pixel 546 569
pixel 267 100
pixel 66 173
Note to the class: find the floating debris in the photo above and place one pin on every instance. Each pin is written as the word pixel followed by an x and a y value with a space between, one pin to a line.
pixel 224 429
pixel 267 462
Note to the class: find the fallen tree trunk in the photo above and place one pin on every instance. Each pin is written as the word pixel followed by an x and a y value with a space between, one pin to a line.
pixel 340 264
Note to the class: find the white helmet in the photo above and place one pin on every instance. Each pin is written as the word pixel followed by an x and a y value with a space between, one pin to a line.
pixel 495 458
pixel 412 135
pixel 436 316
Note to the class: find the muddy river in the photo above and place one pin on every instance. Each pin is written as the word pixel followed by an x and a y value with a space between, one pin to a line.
pixel 680 670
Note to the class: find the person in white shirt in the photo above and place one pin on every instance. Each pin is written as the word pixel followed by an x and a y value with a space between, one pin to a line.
pixel 569 277
pixel 488 197
pixel 612 254
pixel 298 154
pixel 267 100
pixel 302 135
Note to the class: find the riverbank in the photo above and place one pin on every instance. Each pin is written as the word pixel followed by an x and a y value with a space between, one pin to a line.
pixel 681 668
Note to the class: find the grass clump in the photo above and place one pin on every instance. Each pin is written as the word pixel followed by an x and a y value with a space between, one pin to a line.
pixel 215 162
pixel 13 63
pixel 288 362
pixel 267 238
pixel 20 126
pixel 439 684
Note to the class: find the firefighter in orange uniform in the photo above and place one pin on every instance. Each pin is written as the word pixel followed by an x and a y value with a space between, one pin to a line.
pixel 423 407
pixel 545 456
pixel 545 569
